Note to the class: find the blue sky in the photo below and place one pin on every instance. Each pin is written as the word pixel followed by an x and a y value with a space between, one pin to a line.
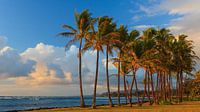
pixel 33 56
pixel 28 22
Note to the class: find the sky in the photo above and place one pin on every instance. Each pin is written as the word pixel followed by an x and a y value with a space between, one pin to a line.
pixel 32 57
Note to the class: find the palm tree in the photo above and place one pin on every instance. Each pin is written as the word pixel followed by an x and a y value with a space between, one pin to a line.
pixel 108 41
pixel 96 40
pixel 184 60
pixel 83 22
pixel 162 39
pixel 128 55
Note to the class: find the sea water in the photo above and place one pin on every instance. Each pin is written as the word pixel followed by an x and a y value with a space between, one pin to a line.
pixel 14 103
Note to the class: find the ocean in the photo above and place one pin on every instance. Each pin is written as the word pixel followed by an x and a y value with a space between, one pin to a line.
pixel 14 103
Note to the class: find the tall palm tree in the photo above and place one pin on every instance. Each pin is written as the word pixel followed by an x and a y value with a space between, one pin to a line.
pixel 108 42
pixel 96 40
pixel 149 54
pixel 184 60
pixel 123 37
pixel 83 23
pixel 162 39
pixel 131 44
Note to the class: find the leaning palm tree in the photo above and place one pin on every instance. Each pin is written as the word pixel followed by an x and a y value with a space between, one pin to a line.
pixel 123 37
pixel 83 23
pixel 184 60
pixel 108 42
pixel 96 40
pixel 129 51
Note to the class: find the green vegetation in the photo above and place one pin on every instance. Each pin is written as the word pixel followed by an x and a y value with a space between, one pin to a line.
pixel 163 56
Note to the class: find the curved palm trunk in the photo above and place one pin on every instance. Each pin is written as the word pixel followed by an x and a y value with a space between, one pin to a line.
pixel 170 86
pixel 107 79
pixel 131 89
pixel 82 103
pixel 181 86
pixel 125 90
pixel 148 87
pixel 95 83
pixel 164 82
pixel 177 86
pixel 136 87
pixel 145 88
pixel 157 91
pixel 152 88
pixel 119 80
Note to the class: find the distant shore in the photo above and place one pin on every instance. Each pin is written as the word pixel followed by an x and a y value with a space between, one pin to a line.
pixel 188 106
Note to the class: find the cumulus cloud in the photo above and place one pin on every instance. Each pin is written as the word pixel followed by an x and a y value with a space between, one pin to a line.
pixel 12 64
pixel 42 75
pixel 67 62
pixel 48 66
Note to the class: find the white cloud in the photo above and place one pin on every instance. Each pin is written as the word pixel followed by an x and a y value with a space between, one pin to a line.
pixel 56 58
pixel 136 18
pixel 12 64
pixel 110 64
pixel 47 66
pixel 180 7
pixel 143 26
pixel 42 75
pixel 187 22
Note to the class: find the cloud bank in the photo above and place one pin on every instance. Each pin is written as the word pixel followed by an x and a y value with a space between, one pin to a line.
pixel 48 66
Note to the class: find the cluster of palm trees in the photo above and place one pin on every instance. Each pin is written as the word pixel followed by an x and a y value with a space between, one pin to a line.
pixel 162 56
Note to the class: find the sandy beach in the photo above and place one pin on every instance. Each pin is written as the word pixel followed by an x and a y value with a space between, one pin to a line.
pixel 190 106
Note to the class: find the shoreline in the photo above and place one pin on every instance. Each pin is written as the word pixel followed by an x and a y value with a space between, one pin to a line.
pixel 87 106
pixel 193 106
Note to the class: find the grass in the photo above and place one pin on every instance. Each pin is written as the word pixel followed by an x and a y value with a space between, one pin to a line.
pixel 189 106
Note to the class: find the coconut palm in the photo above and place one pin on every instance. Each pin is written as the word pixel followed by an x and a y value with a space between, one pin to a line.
pixel 162 39
pixel 149 54
pixel 129 53
pixel 96 40
pixel 184 60
pixel 83 22
pixel 123 32
pixel 108 42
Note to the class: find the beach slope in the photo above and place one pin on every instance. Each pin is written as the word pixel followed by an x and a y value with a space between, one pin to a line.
pixel 192 106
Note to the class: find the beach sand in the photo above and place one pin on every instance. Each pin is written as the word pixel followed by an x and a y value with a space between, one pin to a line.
pixel 192 106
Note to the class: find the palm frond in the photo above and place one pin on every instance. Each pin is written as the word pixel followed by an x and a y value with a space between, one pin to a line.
pixel 66 34
pixel 70 42
pixel 69 28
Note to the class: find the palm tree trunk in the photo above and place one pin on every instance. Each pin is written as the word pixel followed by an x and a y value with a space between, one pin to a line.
pixel 152 88
pixel 136 87
pixel 160 96
pixel 95 83
pixel 119 79
pixel 107 79
pixel 132 87
pixel 170 86
pixel 148 86
pixel 164 82
pixel 157 93
pixel 125 91
pixel 145 86
pixel 181 86
pixel 82 103
pixel 177 86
